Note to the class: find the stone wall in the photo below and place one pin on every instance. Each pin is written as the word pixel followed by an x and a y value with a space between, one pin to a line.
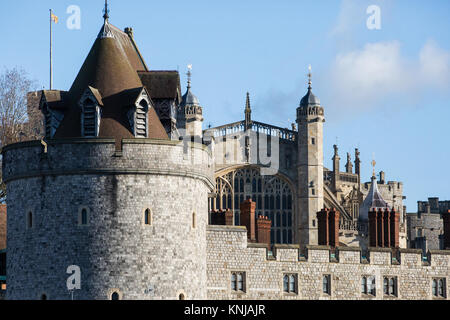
pixel 116 250
pixel 431 227
pixel 228 250
pixel 2 226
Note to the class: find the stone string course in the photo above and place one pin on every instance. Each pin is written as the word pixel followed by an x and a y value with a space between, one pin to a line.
pixel 228 250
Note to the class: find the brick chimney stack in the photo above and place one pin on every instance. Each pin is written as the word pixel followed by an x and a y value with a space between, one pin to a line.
pixel 263 225
pixel 384 228
pixel 248 218
pixel 328 227
pixel 446 218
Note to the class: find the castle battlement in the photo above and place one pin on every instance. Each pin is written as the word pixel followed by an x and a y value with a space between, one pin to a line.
pixel 228 251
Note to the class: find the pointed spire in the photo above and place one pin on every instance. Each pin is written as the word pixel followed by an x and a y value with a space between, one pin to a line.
pixel 248 112
pixel 106 11
pixel 105 32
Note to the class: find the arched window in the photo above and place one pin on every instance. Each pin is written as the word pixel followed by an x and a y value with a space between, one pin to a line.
pixel 286 283
pixel 90 119
pixel 372 286
pixel 181 297
pixel 364 285
pixel 441 287
pixel 84 217
pixel 138 118
pixel 292 281
pixel 147 217
pixel 269 193
pixel 326 284
pixel 434 288
pixel 115 296
pixel 29 220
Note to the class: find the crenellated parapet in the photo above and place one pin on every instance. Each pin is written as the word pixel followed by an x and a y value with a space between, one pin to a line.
pixel 228 251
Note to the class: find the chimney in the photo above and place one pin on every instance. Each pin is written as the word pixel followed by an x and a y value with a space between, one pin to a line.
pixel 328 227
pixel 248 218
pixel 395 229
pixel 373 232
pixel 129 32
pixel 229 218
pixel 446 218
pixel 384 228
pixel 382 177
pixel 334 228
pixel 263 225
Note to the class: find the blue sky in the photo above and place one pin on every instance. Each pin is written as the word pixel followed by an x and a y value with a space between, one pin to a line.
pixel 385 91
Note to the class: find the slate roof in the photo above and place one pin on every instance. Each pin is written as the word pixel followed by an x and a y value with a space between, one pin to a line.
pixel 162 84
pixel 111 72
pixel 374 200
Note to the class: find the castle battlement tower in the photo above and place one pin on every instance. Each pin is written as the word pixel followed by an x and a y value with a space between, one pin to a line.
pixel 310 119
pixel 107 191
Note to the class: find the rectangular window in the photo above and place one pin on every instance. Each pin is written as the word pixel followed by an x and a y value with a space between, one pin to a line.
pixel 326 284
pixel 238 281
pixel 368 285
pixel 390 286
pixel 313 141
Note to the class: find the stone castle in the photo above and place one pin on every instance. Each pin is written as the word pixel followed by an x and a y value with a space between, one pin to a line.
pixel 127 186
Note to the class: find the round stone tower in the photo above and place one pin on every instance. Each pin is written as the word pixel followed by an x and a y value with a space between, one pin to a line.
pixel 106 206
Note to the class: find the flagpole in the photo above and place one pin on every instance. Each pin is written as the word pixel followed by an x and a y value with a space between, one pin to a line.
pixel 51 53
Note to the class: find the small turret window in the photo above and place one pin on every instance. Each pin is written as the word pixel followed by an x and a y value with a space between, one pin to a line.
pixel 90 119
pixel 83 216
pixel 29 220
pixel 139 119
pixel 147 217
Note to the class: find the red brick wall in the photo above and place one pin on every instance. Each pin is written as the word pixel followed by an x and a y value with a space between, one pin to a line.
pixel 2 226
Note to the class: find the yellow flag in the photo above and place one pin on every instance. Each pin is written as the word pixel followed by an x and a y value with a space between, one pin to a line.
pixel 54 18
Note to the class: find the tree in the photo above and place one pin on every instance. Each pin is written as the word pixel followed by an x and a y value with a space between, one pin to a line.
pixel 14 123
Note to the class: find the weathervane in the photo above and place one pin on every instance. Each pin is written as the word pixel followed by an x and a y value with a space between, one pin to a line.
pixel 309 76
pixel 373 164
pixel 189 74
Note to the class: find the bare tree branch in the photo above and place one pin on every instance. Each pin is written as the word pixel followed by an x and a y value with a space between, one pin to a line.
pixel 14 123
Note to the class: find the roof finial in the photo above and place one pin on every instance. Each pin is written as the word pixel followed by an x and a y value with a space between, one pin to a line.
pixel 309 77
pixel 106 11
pixel 189 74
pixel 373 165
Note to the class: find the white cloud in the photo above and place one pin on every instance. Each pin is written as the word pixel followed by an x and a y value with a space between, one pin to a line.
pixel 362 78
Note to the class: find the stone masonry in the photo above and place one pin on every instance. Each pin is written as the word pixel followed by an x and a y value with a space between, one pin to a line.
pixel 228 251
pixel 115 251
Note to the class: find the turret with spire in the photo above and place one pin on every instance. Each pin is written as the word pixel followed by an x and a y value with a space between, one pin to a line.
pixel 193 112
pixel 310 119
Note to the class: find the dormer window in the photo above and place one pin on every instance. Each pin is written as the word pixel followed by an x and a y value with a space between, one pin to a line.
pixel 138 119
pixel 91 112
pixel 90 119
pixel 52 119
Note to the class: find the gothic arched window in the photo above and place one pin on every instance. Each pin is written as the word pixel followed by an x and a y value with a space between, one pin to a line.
pixel 272 194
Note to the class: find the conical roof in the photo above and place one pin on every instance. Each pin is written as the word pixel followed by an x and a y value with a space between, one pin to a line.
pixel 189 99
pixel 309 99
pixel 374 200
pixel 108 68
